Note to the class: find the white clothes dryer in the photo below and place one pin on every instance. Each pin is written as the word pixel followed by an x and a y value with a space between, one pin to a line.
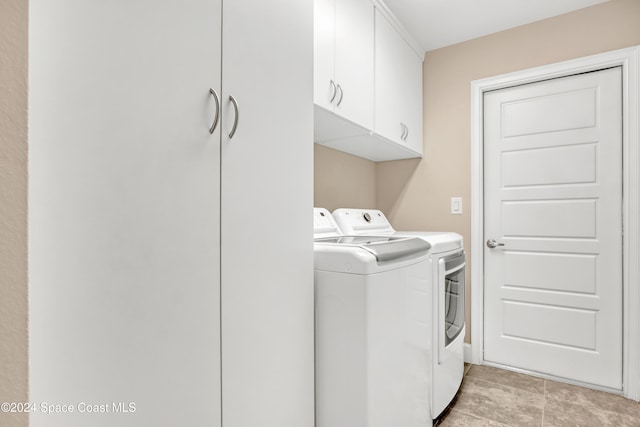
pixel 373 354
pixel 447 307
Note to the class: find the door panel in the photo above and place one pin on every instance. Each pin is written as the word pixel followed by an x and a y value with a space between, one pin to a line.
pixel 558 271
pixel 554 325
pixel 549 218
pixel 553 185
pixel 548 166
pixel 578 110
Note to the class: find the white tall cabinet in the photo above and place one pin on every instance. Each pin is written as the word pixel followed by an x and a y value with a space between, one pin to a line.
pixel 170 267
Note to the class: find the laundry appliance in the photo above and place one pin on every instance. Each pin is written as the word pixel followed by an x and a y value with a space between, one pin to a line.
pixel 447 307
pixel 372 340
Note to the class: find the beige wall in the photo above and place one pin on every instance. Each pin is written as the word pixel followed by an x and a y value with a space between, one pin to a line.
pixel 342 180
pixel 415 194
pixel 13 207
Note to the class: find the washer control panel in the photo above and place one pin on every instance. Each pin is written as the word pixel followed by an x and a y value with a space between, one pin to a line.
pixel 323 224
pixel 359 221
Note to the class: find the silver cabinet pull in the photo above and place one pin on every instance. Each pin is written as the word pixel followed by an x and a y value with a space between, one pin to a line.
pixel 341 95
pixel 406 132
pixel 333 91
pixel 217 116
pixel 403 132
pixel 491 244
pixel 235 122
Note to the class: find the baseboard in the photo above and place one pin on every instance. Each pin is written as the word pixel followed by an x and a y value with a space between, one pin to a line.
pixel 468 354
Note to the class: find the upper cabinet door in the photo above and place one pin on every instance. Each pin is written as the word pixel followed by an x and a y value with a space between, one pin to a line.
pixel 343 54
pixel 324 86
pixel 398 87
pixel 354 34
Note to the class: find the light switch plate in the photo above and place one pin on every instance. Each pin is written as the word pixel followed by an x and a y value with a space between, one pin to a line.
pixel 456 206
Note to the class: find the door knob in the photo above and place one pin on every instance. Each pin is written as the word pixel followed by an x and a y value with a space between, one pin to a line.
pixel 491 243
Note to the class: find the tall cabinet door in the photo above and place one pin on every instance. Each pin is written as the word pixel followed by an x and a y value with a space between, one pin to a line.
pixel 124 206
pixel 266 223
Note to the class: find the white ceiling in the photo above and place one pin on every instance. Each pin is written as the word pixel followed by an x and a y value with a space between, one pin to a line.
pixel 439 23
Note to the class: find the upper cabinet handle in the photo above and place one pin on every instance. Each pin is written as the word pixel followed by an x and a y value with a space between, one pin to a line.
pixel 333 91
pixel 402 131
pixel 341 95
pixel 215 118
pixel 235 122
pixel 406 132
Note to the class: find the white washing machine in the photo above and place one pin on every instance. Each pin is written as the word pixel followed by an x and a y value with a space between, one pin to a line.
pixel 373 349
pixel 448 260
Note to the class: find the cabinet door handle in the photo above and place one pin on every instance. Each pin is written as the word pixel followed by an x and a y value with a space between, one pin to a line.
pixel 341 95
pixel 402 131
pixel 333 91
pixel 235 122
pixel 406 132
pixel 217 116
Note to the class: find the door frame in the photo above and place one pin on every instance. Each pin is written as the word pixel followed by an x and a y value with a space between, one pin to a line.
pixel 629 60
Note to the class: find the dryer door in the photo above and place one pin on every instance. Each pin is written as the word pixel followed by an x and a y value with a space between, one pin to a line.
pixel 451 285
pixel 453 298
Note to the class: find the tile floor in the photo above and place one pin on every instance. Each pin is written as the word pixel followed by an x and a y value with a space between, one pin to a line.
pixel 495 397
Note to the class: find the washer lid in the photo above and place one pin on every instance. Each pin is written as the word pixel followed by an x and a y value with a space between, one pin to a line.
pixel 383 248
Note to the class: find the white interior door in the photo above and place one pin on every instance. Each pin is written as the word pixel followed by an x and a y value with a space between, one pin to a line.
pixel 124 208
pixel 553 197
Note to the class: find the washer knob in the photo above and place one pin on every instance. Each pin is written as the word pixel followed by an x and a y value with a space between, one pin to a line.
pixel 367 217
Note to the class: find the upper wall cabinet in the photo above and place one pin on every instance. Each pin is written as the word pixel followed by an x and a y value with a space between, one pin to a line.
pixel 367 83
pixel 343 66
pixel 398 87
